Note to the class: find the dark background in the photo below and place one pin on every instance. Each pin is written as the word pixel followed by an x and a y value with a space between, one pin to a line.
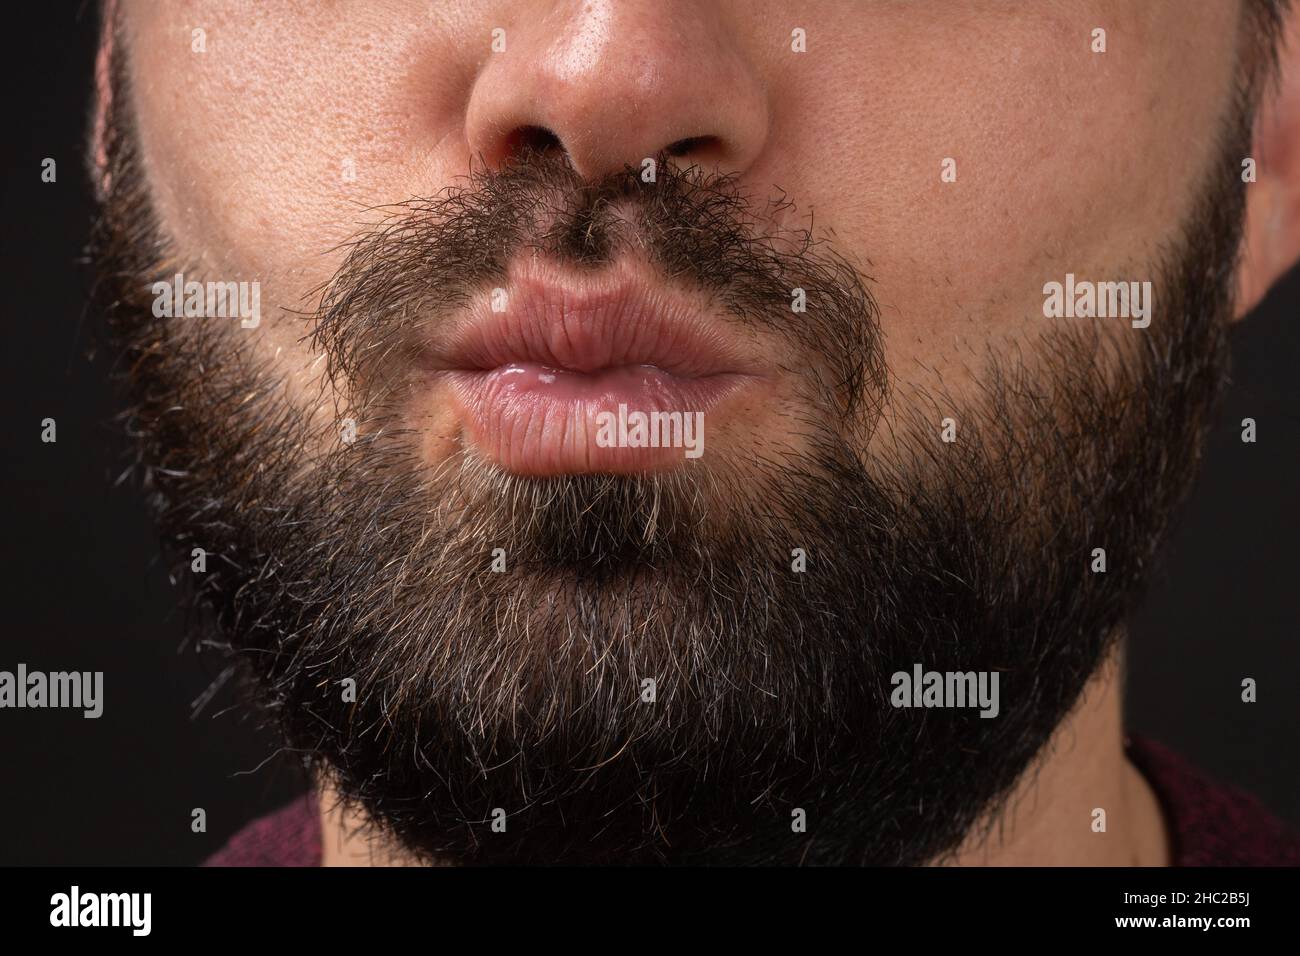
pixel 84 588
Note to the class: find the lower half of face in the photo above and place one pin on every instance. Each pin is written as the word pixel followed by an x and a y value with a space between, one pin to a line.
pixel 619 503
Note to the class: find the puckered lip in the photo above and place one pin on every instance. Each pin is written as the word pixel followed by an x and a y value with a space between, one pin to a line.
pixel 532 368
pixel 587 323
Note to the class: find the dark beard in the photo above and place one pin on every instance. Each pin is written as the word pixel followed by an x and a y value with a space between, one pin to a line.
pixel 523 690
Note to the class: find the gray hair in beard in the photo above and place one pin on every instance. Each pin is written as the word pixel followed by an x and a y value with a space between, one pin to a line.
pixel 523 691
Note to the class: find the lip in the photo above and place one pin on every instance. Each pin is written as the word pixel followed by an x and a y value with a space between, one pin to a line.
pixel 539 383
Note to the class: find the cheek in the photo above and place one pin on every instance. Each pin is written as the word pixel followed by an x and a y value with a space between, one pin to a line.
pixel 1062 159
pixel 278 141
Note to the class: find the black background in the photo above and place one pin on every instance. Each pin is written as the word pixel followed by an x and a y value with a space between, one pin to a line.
pixel 84 587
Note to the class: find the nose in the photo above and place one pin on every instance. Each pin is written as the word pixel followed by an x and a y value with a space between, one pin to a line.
pixel 614 82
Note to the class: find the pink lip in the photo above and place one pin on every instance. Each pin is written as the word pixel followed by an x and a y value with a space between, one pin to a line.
pixel 535 381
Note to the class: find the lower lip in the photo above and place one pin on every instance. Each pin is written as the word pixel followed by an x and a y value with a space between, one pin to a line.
pixel 539 421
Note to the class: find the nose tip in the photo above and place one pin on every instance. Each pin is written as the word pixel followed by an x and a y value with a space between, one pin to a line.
pixel 617 84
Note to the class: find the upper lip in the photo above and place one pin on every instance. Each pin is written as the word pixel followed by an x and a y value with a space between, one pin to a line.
pixel 587 323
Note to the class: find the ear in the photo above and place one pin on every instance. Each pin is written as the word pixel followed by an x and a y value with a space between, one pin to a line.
pixel 103 98
pixel 1271 242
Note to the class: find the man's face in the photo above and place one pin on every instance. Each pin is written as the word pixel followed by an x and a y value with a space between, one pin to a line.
pixel 479 228
pixel 266 152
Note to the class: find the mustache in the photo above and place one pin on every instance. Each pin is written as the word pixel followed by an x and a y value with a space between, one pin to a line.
pixel 425 258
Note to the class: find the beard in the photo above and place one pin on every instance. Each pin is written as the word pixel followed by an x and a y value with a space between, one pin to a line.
pixel 669 667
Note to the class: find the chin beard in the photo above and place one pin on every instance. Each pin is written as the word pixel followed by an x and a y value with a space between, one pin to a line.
pixel 357 589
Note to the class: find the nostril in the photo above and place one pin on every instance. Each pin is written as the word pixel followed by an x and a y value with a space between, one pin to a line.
pixel 531 139
pixel 691 144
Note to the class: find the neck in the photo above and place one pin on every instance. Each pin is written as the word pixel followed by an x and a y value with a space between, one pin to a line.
pixel 1050 819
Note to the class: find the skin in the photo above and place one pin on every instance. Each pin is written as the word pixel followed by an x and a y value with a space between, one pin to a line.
pixel 1066 160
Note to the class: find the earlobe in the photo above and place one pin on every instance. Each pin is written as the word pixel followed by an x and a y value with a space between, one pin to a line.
pixel 1271 236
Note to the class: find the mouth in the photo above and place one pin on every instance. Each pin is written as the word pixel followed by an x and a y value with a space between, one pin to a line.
pixel 561 374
